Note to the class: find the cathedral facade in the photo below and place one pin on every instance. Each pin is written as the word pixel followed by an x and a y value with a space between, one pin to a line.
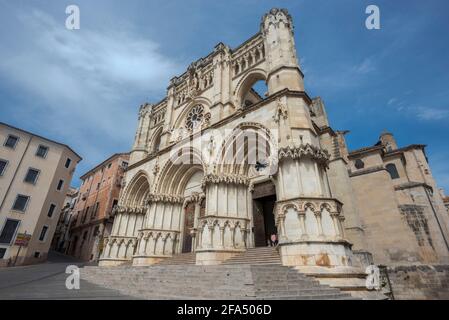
pixel 217 168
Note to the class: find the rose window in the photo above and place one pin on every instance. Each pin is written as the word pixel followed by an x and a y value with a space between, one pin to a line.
pixel 195 117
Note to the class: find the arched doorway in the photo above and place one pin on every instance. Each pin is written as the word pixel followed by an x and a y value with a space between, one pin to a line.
pixel 189 218
pixel 192 209
pixel 264 199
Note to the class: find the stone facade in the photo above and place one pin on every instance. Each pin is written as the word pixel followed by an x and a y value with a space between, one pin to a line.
pixel 424 282
pixel 216 167
pixel 98 195
pixel 61 238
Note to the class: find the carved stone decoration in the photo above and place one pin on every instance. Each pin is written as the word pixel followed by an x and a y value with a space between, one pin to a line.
pixel 195 117
pixel 167 198
pixel 156 167
pixel 274 17
pixel 211 145
pixel 225 178
pixel 206 121
pixel 281 111
pixel 131 209
pixel 305 150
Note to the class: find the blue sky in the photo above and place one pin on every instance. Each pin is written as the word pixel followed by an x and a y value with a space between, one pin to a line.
pixel 84 87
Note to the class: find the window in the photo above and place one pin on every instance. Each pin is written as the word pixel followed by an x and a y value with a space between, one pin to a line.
pixel 21 202
pixel 98 186
pixel 94 213
pixel 8 231
pixel 37 254
pixel 42 151
pixel 51 210
pixel 2 252
pixel 125 164
pixel 109 165
pixel 60 184
pixel 359 164
pixel 68 162
pixel 11 141
pixel 392 170
pixel 31 176
pixel 43 233
pixel 3 164
pixel 85 215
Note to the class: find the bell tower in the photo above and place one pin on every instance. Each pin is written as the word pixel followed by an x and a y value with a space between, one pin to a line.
pixel 283 68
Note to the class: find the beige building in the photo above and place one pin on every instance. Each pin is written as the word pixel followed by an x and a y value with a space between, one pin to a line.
pixel 219 166
pixel 98 195
pixel 35 174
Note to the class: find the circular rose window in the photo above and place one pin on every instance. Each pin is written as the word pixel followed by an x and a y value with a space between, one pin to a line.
pixel 195 117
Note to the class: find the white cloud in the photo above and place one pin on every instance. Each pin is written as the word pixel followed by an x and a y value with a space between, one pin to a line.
pixel 429 113
pixel 365 67
pixel 391 101
pixel 82 82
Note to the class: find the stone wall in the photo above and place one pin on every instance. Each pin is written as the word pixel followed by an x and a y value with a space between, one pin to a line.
pixel 423 282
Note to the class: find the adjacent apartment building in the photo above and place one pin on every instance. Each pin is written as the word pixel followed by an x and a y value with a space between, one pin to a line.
pixel 98 194
pixel 35 174
pixel 61 238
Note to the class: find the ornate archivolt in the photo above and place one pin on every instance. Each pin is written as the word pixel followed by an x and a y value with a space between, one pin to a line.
pixel 171 178
pixel 135 192
pixel 234 156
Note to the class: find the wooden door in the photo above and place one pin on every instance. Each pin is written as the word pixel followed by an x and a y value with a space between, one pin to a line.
pixel 188 225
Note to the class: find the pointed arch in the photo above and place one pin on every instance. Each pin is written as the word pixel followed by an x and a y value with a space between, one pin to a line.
pixel 137 190
pixel 247 145
pixel 246 82
pixel 206 103
pixel 155 141
pixel 178 170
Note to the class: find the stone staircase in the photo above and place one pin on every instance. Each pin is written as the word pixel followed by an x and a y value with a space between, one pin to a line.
pixel 228 282
pixel 260 255
pixel 348 279
pixel 181 258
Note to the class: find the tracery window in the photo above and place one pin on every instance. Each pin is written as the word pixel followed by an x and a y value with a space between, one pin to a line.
pixel 195 117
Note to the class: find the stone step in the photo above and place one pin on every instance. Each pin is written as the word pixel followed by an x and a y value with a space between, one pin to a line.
pixel 239 281
pixel 256 256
